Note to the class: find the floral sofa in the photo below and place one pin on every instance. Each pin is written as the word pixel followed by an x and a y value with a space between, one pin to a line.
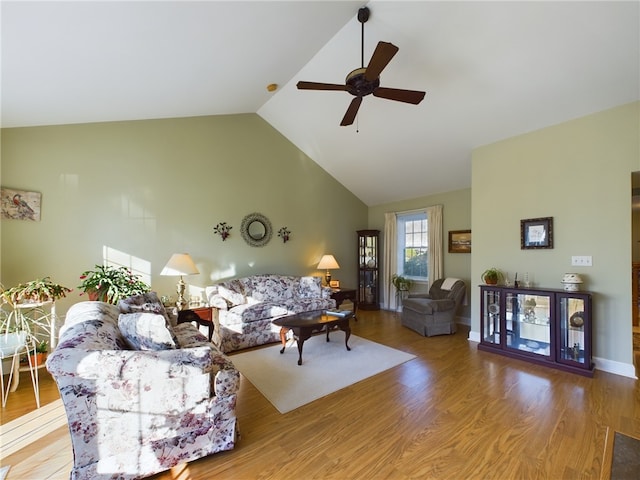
pixel 247 306
pixel 141 395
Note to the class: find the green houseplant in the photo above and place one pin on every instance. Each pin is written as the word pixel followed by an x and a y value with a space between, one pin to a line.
pixel 491 276
pixel 110 284
pixel 402 284
pixel 39 355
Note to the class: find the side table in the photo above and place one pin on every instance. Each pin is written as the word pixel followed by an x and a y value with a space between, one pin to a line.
pixel 201 315
pixel 342 294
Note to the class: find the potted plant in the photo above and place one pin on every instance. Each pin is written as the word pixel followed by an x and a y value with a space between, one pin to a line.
pixel 110 284
pixel 402 284
pixel 39 355
pixel 491 276
pixel 36 291
pixel 22 309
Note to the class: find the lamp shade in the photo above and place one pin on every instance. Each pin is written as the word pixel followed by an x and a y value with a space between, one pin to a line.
pixel 180 264
pixel 328 262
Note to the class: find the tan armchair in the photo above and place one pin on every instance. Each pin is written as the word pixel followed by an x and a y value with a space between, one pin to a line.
pixel 434 313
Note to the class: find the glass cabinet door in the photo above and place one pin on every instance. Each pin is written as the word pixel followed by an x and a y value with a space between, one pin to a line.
pixel 368 279
pixel 573 313
pixel 491 317
pixel 528 323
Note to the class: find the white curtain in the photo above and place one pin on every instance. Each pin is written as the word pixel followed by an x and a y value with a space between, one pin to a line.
pixel 389 261
pixel 390 253
pixel 434 256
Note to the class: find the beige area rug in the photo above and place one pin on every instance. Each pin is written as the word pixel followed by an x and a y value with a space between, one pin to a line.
pixel 326 368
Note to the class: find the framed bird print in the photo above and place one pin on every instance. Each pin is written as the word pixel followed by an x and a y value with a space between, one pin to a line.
pixel 20 204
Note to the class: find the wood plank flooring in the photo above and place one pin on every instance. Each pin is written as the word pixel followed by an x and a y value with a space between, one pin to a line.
pixel 451 413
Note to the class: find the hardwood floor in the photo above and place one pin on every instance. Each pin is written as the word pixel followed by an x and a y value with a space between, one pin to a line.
pixel 451 413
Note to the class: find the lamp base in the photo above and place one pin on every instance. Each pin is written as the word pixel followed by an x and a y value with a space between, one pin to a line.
pixel 327 277
pixel 181 303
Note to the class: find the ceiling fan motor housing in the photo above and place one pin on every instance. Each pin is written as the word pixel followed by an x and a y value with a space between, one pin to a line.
pixel 358 85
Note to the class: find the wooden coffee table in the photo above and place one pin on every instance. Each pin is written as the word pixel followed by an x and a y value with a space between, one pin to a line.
pixel 305 324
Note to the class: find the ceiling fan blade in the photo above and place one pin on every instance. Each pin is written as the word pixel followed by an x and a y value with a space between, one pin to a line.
pixel 406 96
pixel 352 111
pixel 319 86
pixel 382 55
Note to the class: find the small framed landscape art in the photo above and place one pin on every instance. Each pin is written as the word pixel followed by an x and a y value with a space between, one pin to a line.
pixel 459 241
pixel 536 233
pixel 20 204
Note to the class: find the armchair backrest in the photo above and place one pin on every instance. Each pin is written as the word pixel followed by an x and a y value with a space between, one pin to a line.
pixel 456 293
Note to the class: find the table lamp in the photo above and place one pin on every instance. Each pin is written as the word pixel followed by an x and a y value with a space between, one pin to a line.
pixel 180 264
pixel 328 262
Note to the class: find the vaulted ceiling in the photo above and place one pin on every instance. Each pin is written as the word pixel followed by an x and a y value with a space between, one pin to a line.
pixel 491 70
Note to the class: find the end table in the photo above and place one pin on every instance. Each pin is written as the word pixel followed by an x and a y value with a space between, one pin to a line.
pixel 342 294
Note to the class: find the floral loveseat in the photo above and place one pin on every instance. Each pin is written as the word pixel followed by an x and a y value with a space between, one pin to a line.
pixel 141 396
pixel 247 306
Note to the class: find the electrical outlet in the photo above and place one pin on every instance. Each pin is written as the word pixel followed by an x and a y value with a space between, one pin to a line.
pixel 582 261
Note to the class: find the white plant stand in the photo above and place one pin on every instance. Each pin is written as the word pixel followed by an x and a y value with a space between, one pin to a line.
pixel 12 345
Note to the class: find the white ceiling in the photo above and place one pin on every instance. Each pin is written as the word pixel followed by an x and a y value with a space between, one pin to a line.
pixel 491 70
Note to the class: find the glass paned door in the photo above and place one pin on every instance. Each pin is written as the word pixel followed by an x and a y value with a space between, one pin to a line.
pixel 491 317
pixel 571 319
pixel 528 323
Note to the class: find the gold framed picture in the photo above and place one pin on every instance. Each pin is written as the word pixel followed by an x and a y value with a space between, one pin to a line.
pixel 334 283
pixel 460 241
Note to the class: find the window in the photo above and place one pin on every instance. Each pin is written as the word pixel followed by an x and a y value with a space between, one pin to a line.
pixel 413 243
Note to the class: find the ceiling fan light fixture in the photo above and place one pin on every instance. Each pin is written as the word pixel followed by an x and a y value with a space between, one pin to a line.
pixel 358 85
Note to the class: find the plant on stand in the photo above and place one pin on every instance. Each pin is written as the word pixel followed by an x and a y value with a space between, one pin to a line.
pixel 110 284
pixel 36 291
pixel 402 284
pixel 22 315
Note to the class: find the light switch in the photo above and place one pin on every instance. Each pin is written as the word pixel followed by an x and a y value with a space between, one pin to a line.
pixel 581 261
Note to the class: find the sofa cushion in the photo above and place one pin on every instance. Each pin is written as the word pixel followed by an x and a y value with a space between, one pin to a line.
pixel 252 312
pixel 309 304
pixel 146 331
pixel 427 306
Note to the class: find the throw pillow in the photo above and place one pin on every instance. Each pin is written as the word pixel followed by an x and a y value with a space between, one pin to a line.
pixel 234 298
pixel 310 287
pixel 146 331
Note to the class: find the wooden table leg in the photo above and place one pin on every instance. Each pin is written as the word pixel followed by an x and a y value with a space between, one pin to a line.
pixel 344 326
pixel 283 338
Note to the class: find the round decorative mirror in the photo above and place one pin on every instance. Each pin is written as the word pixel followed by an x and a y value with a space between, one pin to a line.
pixel 256 229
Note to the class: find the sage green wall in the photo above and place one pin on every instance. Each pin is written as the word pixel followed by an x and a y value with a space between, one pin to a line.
pixel 456 213
pixel 157 187
pixel 579 173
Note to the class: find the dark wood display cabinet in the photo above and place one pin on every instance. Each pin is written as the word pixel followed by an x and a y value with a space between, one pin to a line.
pixel 368 273
pixel 550 327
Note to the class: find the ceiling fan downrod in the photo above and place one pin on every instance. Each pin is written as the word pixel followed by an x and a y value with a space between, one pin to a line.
pixel 363 16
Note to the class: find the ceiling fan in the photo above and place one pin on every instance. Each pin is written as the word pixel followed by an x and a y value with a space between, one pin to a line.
pixel 364 81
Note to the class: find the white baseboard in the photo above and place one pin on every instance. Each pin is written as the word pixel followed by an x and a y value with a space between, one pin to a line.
pixel 474 336
pixel 617 368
